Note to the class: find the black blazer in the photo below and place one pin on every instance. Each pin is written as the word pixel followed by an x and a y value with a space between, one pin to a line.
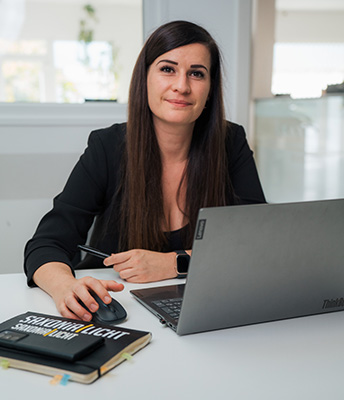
pixel 89 191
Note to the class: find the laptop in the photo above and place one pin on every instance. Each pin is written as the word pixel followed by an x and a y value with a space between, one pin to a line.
pixel 257 263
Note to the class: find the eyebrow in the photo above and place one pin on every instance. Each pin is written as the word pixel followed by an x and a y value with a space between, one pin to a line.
pixel 191 66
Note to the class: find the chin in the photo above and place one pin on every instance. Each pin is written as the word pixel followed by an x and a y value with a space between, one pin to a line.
pixel 181 119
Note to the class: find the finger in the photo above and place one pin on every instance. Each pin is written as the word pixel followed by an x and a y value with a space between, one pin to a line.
pixel 67 313
pixel 73 308
pixel 112 286
pixel 136 279
pixel 83 291
pixel 117 258
pixel 127 273
pixel 100 287
pixel 124 265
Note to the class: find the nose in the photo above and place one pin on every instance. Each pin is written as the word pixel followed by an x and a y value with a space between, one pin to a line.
pixel 181 84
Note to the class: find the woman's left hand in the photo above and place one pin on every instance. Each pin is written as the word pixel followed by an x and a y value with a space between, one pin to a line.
pixel 142 266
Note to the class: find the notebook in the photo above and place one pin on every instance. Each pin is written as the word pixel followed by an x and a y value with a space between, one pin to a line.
pixel 257 263
pixel 66 348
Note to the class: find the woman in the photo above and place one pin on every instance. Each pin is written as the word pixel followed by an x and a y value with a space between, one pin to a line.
pixel 145 181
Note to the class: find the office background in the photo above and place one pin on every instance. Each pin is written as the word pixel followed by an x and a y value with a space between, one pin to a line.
pixel 299 144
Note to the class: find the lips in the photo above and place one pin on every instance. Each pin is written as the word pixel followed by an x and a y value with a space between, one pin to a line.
pixel 178 103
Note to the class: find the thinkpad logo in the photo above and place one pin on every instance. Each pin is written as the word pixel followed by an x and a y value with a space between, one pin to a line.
pixel 331 303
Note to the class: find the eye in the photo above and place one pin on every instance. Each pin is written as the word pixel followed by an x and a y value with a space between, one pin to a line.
pixel 167 69
pixel 197 74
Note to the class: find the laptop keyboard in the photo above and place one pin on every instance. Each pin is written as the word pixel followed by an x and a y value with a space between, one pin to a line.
pixel 170 306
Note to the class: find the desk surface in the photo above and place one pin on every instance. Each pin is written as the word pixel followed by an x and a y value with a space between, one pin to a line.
pixel 293 359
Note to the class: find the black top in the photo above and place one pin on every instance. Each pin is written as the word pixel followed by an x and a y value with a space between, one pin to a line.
pixel 89 191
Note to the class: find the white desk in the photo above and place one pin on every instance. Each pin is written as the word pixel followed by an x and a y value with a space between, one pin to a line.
pixel 294 359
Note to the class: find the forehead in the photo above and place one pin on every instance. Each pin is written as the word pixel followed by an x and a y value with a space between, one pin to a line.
pixel 195 53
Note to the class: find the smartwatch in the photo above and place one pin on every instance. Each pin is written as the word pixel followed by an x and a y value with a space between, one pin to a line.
pixel 182 266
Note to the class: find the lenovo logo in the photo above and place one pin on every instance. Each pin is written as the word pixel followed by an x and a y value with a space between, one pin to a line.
pixel 339 302
pixel 200 229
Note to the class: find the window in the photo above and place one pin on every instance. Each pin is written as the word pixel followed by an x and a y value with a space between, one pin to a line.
pixel 306 69
pixel 68 51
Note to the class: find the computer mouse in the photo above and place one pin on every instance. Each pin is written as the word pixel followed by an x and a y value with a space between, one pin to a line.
pixel 112 313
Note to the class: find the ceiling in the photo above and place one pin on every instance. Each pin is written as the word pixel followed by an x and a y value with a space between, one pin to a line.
pixel 93 2
pixel 310 5
pixel 285 5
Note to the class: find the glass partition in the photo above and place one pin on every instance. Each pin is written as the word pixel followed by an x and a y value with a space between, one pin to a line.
pixel 300 147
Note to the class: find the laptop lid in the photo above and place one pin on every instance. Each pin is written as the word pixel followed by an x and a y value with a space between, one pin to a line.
pixel 265 262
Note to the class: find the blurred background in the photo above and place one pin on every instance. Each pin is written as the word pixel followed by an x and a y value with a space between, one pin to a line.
pixel 65 68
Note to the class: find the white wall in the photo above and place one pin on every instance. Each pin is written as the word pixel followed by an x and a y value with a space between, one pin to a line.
pixel 310 26
pixel 39 145
pixel 263 39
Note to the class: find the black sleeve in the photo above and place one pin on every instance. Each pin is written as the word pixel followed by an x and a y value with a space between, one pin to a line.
pixel 242 167
pixel 87 193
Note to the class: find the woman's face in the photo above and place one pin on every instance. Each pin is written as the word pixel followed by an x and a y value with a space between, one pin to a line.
pixel 178 85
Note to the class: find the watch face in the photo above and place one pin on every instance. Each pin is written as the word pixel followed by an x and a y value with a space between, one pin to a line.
pixel 183 263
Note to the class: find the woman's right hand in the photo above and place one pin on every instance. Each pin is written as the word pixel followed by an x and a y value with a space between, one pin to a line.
pixel 58 281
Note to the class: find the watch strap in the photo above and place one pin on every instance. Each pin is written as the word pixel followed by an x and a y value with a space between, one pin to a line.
pixel 181 252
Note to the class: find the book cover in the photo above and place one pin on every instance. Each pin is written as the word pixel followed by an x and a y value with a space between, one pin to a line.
pixel 55 345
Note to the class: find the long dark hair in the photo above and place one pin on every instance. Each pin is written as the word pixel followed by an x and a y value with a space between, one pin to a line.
pixel 142 210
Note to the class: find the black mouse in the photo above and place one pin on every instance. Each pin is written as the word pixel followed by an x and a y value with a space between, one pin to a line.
pixel 112 313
